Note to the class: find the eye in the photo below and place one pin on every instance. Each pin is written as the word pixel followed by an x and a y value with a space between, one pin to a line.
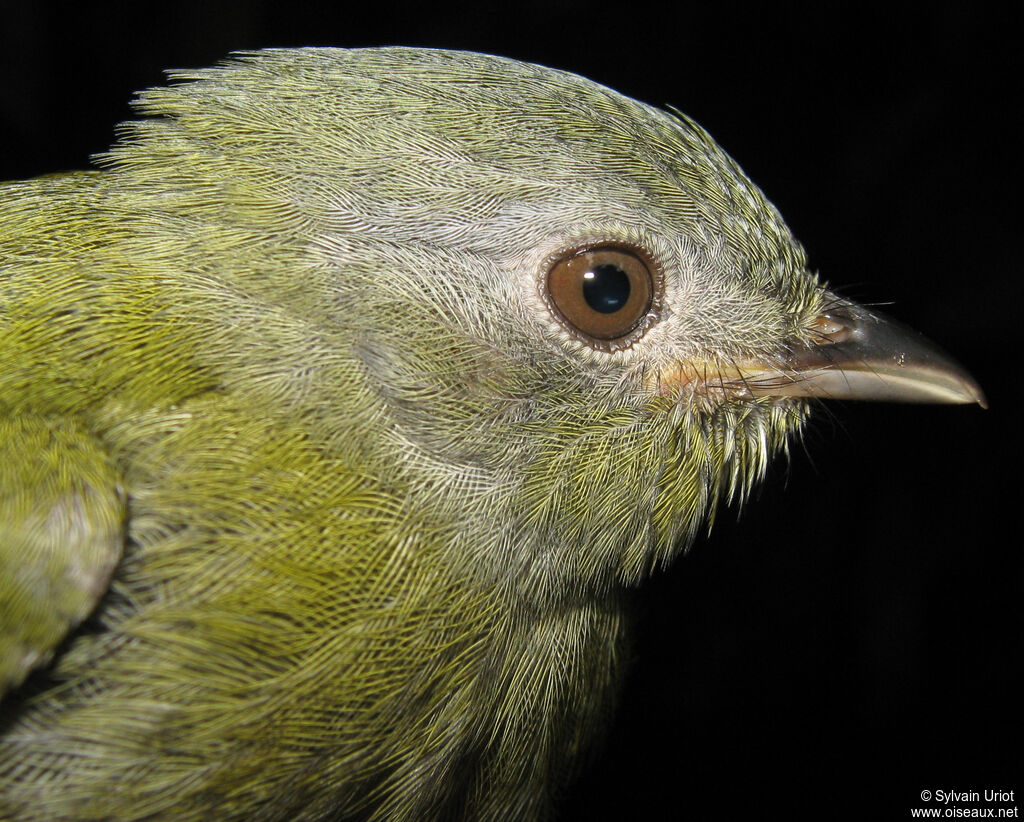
pixel 602 294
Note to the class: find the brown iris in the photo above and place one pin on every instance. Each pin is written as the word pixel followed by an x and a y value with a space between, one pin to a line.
pixel 601 293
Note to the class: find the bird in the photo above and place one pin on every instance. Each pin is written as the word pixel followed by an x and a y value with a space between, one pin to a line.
pixel 341 405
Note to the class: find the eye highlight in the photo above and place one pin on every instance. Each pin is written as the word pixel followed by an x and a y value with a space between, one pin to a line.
pixel 601 293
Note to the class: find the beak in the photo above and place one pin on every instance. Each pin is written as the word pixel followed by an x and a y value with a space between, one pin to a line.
pixel 861 355
pixel 856 355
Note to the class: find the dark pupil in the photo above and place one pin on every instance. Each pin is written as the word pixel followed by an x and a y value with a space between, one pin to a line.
pixel 606 288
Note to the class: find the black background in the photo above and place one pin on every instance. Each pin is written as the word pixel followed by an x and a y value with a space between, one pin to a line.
pixel 855 637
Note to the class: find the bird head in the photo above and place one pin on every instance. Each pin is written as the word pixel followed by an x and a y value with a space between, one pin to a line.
pixel 562 323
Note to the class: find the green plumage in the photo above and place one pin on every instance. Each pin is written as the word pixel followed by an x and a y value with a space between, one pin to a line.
pixel 283 407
